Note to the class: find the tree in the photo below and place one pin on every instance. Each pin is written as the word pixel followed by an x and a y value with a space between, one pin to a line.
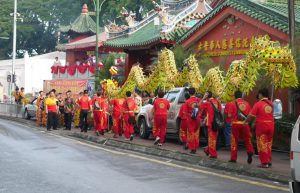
pixel 37 31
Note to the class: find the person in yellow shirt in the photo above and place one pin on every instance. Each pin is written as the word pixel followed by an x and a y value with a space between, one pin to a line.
pixel 51 110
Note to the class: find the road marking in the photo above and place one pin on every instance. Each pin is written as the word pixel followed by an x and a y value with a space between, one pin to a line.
pixel 252 182
pixel 256 183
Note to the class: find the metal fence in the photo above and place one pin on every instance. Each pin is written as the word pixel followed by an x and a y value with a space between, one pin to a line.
pixel 13 110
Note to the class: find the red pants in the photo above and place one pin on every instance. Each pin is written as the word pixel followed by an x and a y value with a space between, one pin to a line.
pixel 103 121
pixel 183 130
pixel 160 127
pixel 212 142
pixel 264 137
pixel 242 131
pixel 193 133
pixel 117 123
pixel 128 127
pixel 97 115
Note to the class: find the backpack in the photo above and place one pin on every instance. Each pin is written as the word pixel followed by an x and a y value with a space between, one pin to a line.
pixel 218 122
pixel 195 111
pixel 241 116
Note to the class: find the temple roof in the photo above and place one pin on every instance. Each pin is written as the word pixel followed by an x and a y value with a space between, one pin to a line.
pixel 272 14
pixel 84 24
pixel 150 33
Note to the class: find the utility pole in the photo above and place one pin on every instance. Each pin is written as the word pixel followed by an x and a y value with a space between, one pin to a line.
pixel 14 49
pixel 97 78
pixel 291 8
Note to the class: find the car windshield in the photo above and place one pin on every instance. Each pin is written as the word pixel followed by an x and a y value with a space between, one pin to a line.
pixel 171 96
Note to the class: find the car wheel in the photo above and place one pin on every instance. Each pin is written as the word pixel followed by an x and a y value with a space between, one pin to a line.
pixel 26 115
pixel 297 187
pixel 178 132
pixel 143 129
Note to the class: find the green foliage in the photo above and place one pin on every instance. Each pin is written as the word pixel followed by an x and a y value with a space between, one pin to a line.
pixel 108 62
pixel 180 55
pixel 297 54
pixel 38 29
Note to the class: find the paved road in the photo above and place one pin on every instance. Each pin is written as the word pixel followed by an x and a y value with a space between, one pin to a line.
pixel 37 162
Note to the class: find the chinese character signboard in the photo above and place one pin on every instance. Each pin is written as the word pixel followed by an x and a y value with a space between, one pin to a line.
pixel 61 86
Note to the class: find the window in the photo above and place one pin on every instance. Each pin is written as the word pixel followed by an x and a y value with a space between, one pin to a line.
pixel 171 96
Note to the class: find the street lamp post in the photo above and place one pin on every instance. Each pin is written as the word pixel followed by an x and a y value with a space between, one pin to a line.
pixel 14 48
pixel 98 9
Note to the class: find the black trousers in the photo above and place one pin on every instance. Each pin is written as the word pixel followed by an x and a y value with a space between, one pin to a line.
pixel 68 120
pixel 52 120
pixel 83 120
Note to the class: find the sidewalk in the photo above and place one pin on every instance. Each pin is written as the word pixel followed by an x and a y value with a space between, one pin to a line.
pixel 280 170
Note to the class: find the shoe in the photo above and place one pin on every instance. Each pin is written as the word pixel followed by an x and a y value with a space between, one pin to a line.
pixel 185 147
pixel 81 130
pixel 157 140
pixel 159 145
pixel 249 160
pixel 120 134
pixel 206 153
pixel 270 164
pixel 85 131
pixel 48 129
pixel 193 151
pixel 264 166
pixel 131 137
pixel 101 132
pixel 97 133
pixel 232 161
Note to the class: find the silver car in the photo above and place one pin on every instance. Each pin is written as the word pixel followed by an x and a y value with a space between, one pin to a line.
pixel 176 99
pixel 29 110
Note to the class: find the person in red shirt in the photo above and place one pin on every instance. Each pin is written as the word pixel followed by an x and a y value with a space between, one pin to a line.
pixel 160 111
pixel 84 103
pixel 129 107
pixel 96 102
pixel 192 104
pixel 104 107
pixel 207 107
pixel 228 110
pixel 183 122
pixel 117 116
pixel 239 129
pixel 264 124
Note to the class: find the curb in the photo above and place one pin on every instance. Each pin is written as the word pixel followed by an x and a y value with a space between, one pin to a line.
pixel 191 159
pixel 238 169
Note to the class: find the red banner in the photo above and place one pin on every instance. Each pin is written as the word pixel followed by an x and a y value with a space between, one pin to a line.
pixel 62 69
pixel 71 70
pixel 82 69
pixel 54 69
pixel 62 86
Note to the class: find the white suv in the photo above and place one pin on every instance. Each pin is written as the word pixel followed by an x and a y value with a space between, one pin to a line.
pixel 295 158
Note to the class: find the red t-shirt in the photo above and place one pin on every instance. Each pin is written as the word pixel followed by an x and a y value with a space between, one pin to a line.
pixel 84 102
pixel 243 105
pixel 117 104
pixel 183 111
pixel 263 111
pixel 229 108
pixel 207 107
pixel 129 106
pixel 161 106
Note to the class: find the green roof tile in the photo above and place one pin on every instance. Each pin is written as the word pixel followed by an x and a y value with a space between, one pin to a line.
pixel 144 36
pixel 83 24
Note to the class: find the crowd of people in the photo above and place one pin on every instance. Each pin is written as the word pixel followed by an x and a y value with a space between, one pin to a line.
pixel 196 112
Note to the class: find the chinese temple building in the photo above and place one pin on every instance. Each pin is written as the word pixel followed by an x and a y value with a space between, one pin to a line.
pixel 226 32
pixel 163 26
